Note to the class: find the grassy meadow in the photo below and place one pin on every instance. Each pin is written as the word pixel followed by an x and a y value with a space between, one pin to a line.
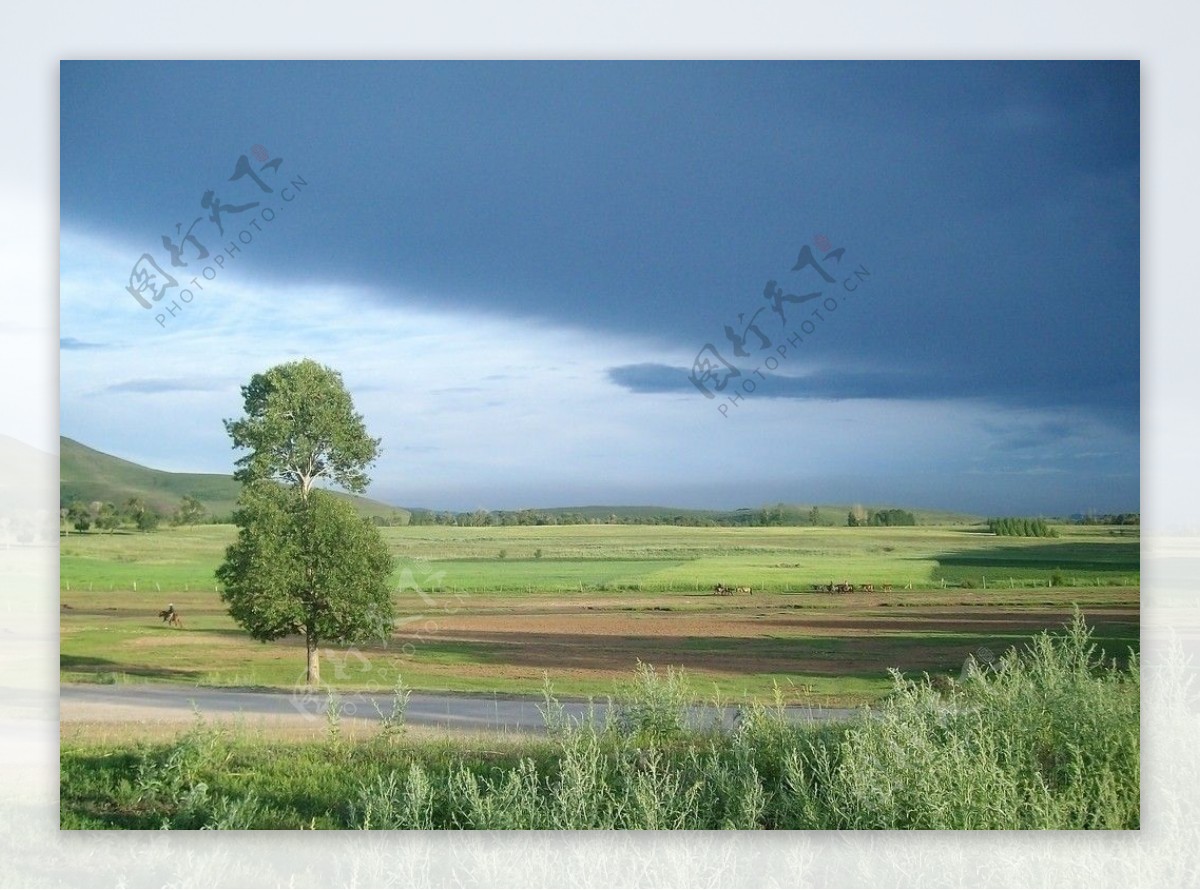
pixel 496 610
pixel 643 558
pixel 1046 737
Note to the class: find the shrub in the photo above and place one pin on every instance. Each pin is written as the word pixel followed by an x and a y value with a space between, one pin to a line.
pixel 653 708
pixel 387 803
pixel 1046 738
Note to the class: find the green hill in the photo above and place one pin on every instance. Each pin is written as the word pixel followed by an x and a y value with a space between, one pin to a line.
pixel 88 475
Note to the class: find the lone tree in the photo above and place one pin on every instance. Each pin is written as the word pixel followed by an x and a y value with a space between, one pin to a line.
pixel 304 562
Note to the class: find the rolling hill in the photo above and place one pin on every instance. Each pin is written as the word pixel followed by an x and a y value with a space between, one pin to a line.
pixel 88 475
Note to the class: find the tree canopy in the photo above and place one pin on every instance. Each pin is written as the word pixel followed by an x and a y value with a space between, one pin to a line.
pixel 1021 527
pixel 300 426
pixel 306 566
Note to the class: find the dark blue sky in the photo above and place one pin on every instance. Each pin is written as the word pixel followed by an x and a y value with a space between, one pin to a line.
pixel 645 205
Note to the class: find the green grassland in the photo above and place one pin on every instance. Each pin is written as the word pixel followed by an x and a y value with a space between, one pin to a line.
pixel 641 558
pixel 599 598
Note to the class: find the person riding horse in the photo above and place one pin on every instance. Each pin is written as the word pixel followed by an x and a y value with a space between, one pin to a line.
pixel 170 616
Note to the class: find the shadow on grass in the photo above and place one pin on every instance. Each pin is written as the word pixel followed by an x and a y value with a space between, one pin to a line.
pixel 866 657
pixel 87 664
pixel 87 791
pixel 1078 557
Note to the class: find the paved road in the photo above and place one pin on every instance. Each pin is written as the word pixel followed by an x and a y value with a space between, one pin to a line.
pixel 167 704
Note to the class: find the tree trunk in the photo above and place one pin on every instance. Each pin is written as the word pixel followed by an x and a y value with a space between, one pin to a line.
pixel 314 663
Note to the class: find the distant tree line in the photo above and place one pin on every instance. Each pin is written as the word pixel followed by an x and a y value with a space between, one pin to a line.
pixel 776 515
pixel 1108 519
pixel 136 514
pixel 860 517
pixel 491 518
pixel 132 514
pixel 1021 527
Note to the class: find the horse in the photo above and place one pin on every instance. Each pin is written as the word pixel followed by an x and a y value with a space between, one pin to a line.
pixel 171 618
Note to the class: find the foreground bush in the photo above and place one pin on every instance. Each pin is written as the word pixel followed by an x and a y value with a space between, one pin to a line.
pixel 1047 737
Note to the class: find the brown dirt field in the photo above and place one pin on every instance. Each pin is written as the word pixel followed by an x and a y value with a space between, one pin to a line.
pixel 753 623
pixel 748 641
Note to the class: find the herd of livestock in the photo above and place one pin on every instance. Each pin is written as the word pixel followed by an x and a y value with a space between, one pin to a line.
pixel 847 587
pixel 844 587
